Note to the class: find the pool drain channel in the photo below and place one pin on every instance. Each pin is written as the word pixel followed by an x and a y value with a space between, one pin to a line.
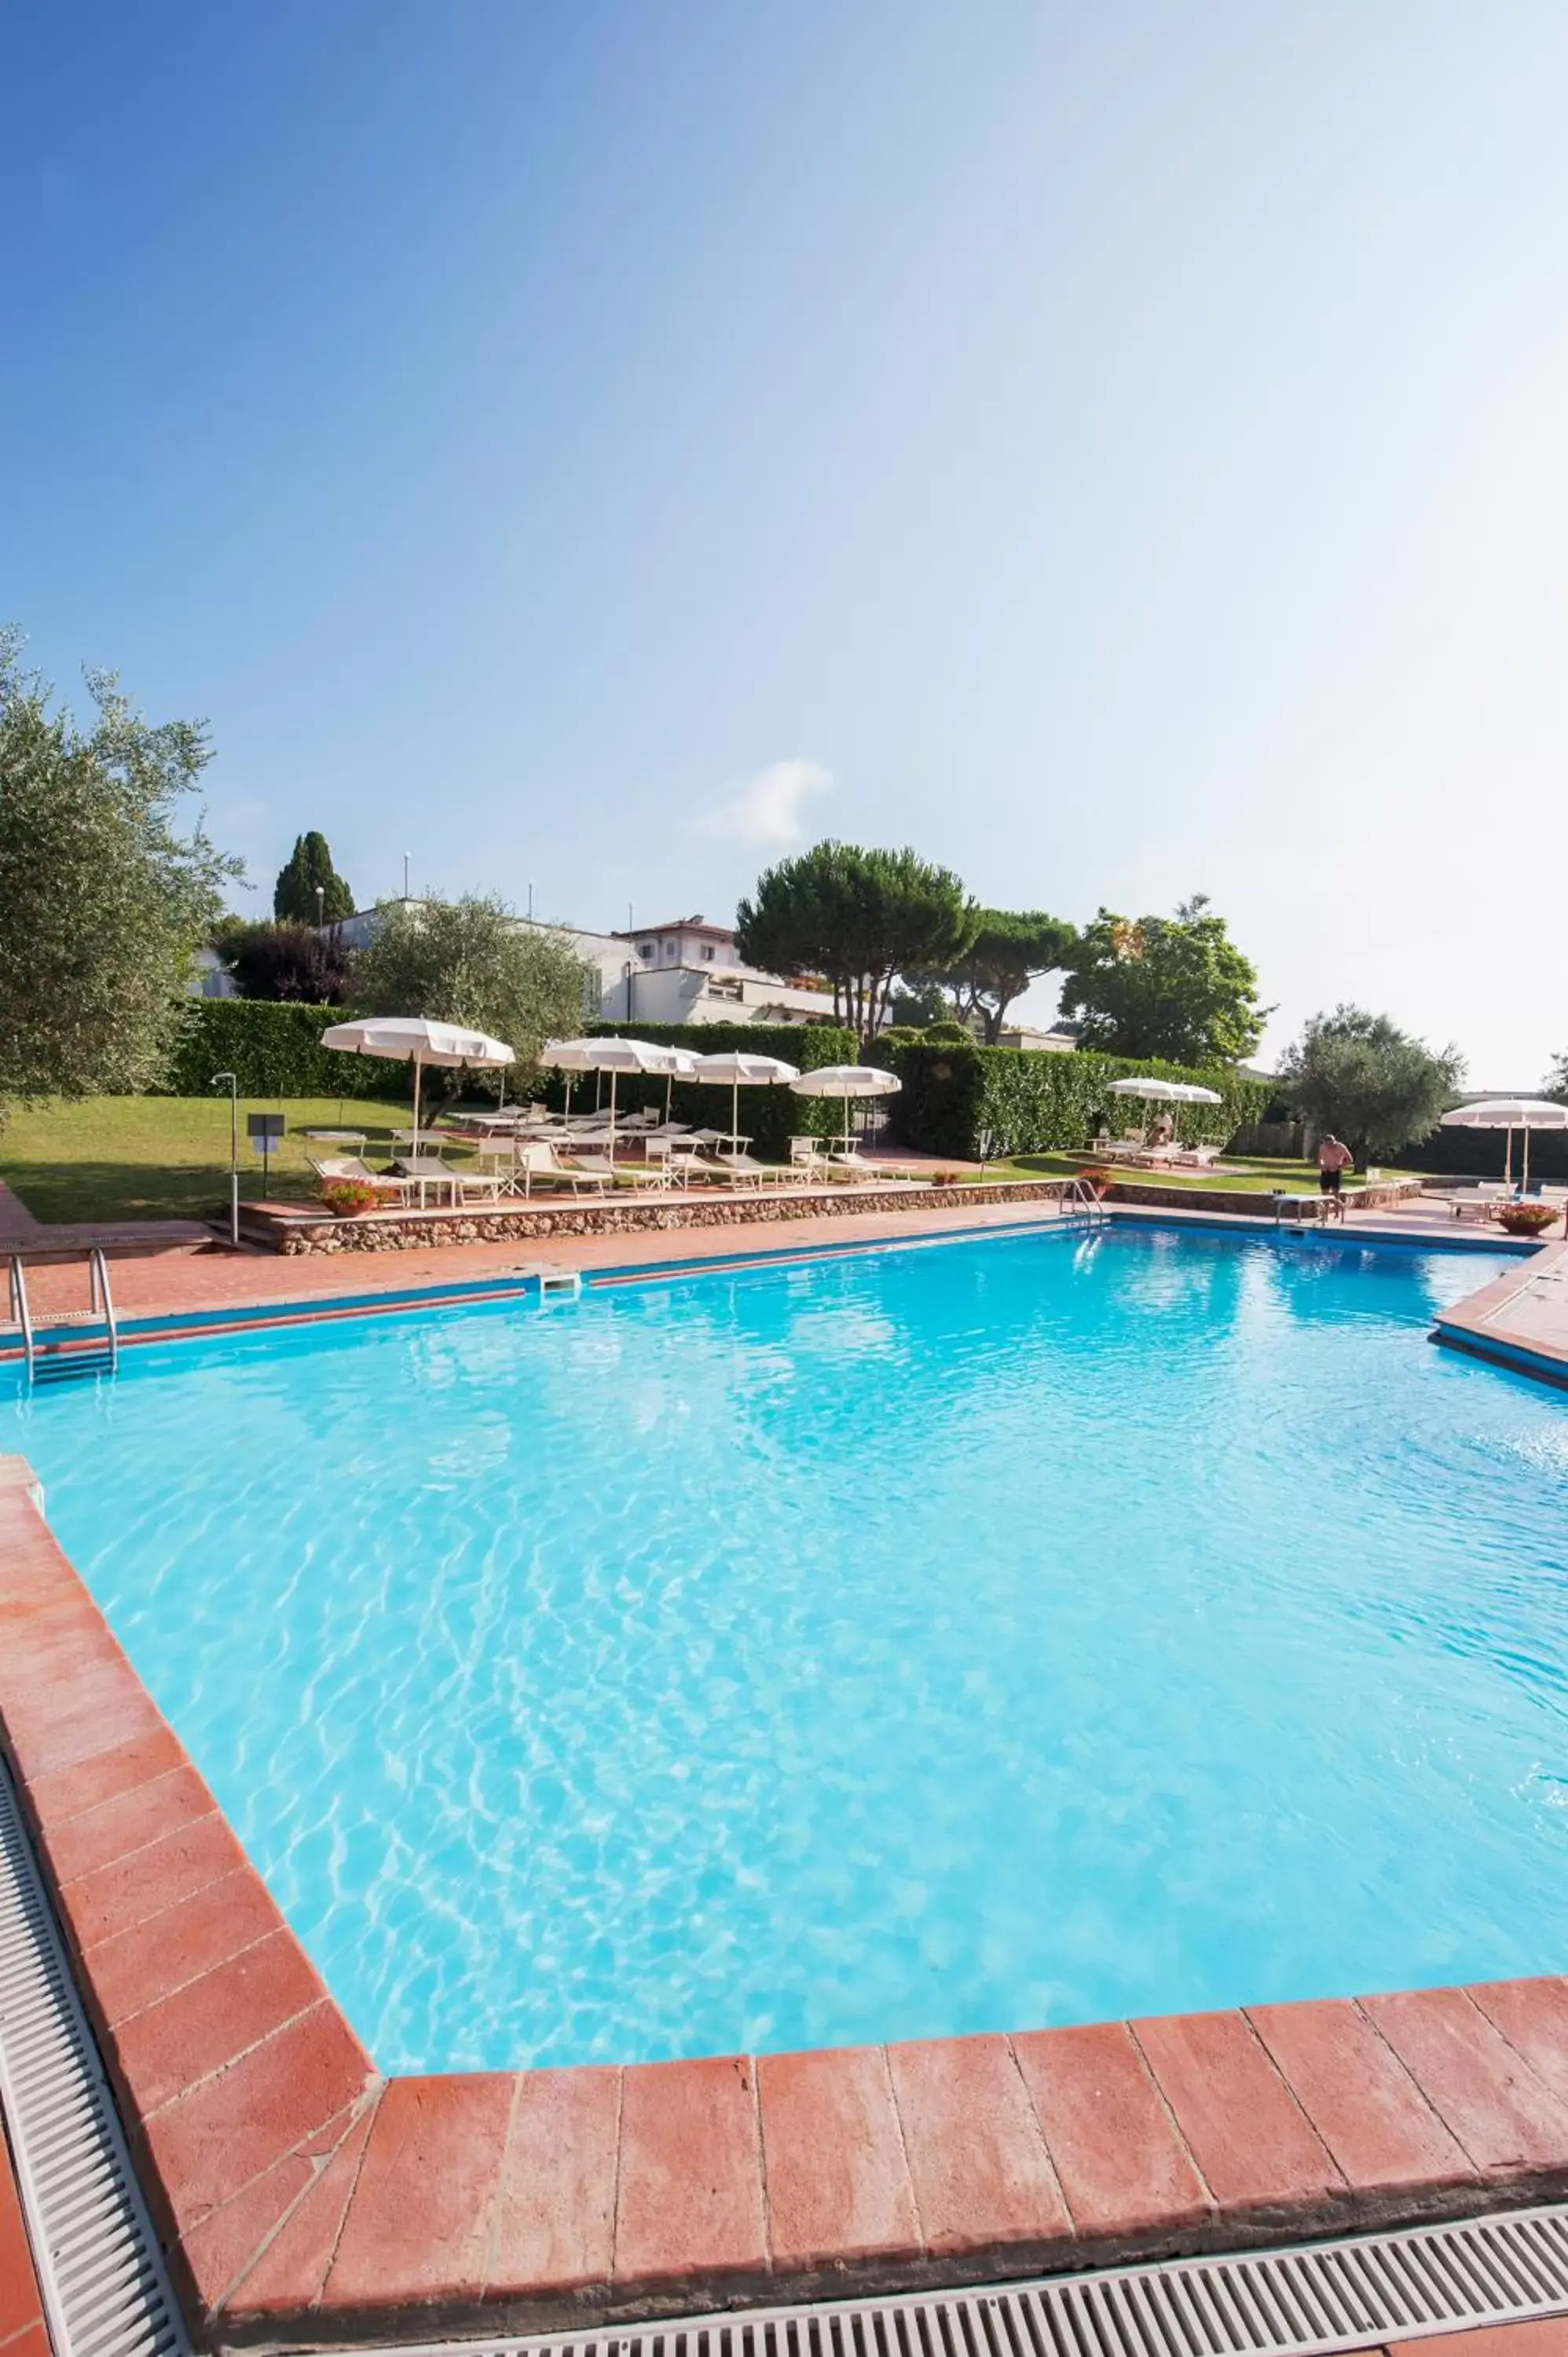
pixel 99 2266
pixel 1316 2297
pixel 106 2293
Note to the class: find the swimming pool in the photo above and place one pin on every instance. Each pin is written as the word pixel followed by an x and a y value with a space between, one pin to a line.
pixel 913 1641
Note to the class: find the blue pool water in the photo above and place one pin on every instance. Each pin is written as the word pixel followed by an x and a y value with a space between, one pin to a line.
pixel 1017 1632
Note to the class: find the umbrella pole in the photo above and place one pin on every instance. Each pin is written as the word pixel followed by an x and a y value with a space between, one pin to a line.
pixel 1507 1156
pixel 668 1093
pixel 735 1118
pixel 1524 1178
pixel 612 1116
pixel 416 1071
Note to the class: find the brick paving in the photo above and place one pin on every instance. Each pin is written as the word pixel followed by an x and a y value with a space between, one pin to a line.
pixel 22 2329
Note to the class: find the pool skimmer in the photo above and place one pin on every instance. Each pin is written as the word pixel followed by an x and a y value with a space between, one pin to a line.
pixel 106 2292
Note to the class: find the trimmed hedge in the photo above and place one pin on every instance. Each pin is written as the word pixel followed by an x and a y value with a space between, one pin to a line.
pixel 1031 1101
pixel 274 1049
pixel 1479 1153
pixel 770 1116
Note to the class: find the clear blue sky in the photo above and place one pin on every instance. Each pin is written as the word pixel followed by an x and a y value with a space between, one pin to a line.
pixel 1119 451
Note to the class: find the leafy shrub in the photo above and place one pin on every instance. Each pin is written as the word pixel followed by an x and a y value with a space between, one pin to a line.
pixel 1031 1101
pixel 1527 1219
pixel 274 1049
pixel 947 1035
pixel 285 960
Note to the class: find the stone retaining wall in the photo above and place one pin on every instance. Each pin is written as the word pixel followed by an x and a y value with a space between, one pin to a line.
pixel 1217 1198
pixel 381 1231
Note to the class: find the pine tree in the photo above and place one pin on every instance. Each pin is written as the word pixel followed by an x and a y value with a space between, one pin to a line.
pixel 309 868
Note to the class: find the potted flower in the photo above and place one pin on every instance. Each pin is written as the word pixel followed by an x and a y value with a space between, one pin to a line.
pixel 944 1177
pixel 348 1199
pixel 1527 1219
pixel 1096 1180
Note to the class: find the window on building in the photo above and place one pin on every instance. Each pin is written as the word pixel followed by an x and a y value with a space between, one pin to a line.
pixel 645 949
pixel 708 951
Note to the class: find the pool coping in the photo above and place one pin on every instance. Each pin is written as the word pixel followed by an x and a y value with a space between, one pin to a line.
pixel 1478 1325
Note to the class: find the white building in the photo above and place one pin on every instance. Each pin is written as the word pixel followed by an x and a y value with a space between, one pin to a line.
pixel 691 971
pixel 687 972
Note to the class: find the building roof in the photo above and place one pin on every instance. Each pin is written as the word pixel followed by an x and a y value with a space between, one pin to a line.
pixel 697 924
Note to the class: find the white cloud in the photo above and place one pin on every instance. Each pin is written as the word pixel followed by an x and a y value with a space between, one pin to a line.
pixel 770 807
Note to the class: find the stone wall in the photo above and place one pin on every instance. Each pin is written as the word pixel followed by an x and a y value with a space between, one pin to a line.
pixel 513 1222
pixel 1376 1198
pixel 286 1228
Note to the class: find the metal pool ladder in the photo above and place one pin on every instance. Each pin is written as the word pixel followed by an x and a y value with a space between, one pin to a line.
pixel 98 1350
pixel 1086 1204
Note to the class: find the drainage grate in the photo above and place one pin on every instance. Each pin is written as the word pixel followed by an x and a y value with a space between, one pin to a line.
pixel 1317 2296
pixel 106 2295
pixel 100 2269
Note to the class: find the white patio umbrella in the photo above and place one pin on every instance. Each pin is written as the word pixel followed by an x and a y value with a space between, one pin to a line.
pixel 1192 1094
pixel 566 1056
pixel 680 1064
pixel 405 1036
pixel 846 1081
pixel 737 1067
pixel 612 1056
pixel 1153 1089
pixel 1509 1113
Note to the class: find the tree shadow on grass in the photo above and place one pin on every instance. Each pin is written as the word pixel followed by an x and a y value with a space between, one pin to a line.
pixel 61 1192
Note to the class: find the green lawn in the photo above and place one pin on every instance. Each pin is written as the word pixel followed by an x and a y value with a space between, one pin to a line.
pixel 1261 1176
pixel 167 1157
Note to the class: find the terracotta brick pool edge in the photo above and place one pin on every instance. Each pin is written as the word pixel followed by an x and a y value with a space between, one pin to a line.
pixel 303 2199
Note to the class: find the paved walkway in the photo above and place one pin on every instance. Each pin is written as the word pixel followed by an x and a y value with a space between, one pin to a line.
pixel 22 2332
pixel 166 1284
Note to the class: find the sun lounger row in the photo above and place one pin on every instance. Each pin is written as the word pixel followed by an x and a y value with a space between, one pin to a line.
pixel 526 1163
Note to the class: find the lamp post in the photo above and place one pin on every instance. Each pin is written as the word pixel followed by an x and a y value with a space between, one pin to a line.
pixel 629 972
pixel 321 908
pixel 221 1080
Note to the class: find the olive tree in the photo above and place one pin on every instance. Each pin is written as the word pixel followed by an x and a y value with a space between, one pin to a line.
pixel 1373 1084
pixel 105 895
pixel 471 961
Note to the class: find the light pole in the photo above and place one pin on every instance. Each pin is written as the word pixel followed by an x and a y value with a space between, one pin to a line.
pixel 321 908
pixel 218 1081
pixel 405 860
